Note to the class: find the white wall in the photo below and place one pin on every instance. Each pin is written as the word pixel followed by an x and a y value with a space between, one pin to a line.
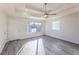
pixel 17 28
pixel 3 30
pixel 69 28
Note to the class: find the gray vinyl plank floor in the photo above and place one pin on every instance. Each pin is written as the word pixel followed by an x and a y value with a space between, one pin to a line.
pixel 42 45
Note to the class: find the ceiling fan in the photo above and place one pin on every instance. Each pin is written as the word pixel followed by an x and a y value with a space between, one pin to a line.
pixel 46 14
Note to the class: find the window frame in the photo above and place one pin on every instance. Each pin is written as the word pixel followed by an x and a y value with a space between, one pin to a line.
pixel 56 25
pixel 30 23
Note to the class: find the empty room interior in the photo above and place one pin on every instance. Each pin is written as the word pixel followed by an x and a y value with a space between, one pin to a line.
pixel 39 29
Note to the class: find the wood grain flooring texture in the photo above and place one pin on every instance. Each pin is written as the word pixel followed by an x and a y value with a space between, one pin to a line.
pixel 42 45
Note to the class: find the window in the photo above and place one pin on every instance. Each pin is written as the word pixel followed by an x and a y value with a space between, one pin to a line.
pixel 35 27
pixel 56 25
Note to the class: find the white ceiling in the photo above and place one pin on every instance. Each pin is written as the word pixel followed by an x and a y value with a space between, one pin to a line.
pixel 36 10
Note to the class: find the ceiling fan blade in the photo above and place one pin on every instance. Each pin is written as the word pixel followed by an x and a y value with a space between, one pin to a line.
pixel 51 14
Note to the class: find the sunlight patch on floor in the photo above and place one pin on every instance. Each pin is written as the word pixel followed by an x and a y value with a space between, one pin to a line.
pixel 34 47
pixel 29 48
pixel 40 47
